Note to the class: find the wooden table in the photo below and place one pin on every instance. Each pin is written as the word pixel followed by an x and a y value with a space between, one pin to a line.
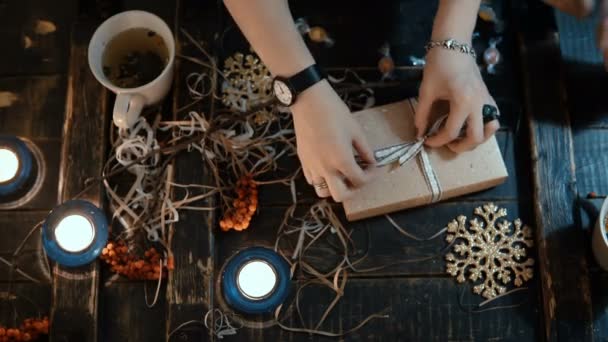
pixel 551 145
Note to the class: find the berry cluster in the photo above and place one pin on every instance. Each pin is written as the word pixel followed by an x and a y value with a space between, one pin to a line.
pixel 243 207
pixel 30 330
pixel 122 262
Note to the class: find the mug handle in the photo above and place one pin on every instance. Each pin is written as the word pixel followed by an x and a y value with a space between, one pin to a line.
pixel 127 108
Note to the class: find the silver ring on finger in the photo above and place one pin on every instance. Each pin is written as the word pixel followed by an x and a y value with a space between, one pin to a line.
pixel 321 186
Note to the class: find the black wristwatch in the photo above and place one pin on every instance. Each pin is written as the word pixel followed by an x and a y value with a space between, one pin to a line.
pixel 286 89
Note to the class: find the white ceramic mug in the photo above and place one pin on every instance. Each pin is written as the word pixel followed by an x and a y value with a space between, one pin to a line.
pixel 130 101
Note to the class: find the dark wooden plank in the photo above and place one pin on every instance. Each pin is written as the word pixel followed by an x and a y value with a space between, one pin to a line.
pixel 32 107
pixel 136 323
pixel 14 226
pixel 75 291
pixel 122 302
pixel 565 284
pixel 383 244
pixel 30 47
pixel 419 309
pixel 584 69
pixel 190 285
pixel 27 300
pixel 591 160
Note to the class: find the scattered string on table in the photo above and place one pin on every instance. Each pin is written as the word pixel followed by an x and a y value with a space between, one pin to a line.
pixel 479 307
pixel 219 323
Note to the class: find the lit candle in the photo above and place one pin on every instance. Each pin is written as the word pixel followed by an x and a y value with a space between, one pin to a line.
pixel 75 233
pixel 9 165
pixel 17 168
pixel 256 280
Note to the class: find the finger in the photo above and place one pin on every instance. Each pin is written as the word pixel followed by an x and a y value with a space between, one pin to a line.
pixel 354 174
pixel 363 149
pixel 423 111
pixel 317 181
pixel 307 175
pixel 448 133
pixel 339 190
pixel 474 135
pixel 489 128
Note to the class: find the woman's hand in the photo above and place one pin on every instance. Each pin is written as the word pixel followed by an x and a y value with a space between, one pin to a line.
pixel 327 136
pixel 455 77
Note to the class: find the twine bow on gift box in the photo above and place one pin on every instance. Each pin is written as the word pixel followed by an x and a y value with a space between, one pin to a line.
pixel 404 152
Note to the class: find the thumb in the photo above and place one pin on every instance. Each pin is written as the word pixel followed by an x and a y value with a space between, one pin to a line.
pixel 423 111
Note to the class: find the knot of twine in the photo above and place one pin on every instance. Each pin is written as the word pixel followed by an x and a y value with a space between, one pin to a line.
pixel 404 152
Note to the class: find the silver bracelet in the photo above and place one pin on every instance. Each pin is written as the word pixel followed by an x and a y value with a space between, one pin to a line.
pixel 451 44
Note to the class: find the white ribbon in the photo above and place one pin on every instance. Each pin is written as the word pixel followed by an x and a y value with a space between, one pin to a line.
pixel 407 151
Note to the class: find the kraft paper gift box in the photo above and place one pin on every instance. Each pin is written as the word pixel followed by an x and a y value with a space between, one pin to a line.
pixel 400 187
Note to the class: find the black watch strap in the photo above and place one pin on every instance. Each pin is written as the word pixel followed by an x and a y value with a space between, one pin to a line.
pixel 306 78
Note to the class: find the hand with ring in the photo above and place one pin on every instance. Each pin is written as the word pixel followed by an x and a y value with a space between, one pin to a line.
pixel 328 137
pixel 455 77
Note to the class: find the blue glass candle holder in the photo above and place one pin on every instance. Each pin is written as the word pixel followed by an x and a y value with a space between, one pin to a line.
pixel 256 280
pixel 75 233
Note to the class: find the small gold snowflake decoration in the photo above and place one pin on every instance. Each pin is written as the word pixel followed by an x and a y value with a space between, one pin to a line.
pixel 492 256
pixel 248 84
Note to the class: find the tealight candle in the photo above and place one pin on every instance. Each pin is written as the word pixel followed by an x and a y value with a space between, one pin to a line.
pixel 10 164
pixel 75 233
pixel 256 280
pixel 17 168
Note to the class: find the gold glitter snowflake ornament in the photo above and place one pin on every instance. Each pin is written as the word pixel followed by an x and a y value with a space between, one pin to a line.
pixel 492 256
pixel 248 84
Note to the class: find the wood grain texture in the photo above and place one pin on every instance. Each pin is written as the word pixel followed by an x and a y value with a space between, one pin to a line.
pixel 562 260
pixel 75 291
pixel 32 107
pixel 419 309
pixel 383 244
pixel 28 48
pixel 14 227
pixel 32 300
pixel 190 285
pixel 124 316
pixel 590 146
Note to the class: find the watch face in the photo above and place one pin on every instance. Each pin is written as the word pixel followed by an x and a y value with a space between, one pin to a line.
pixel 282 92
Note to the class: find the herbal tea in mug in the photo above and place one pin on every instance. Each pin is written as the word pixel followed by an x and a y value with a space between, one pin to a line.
pixel 132 55
pixel 135 57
